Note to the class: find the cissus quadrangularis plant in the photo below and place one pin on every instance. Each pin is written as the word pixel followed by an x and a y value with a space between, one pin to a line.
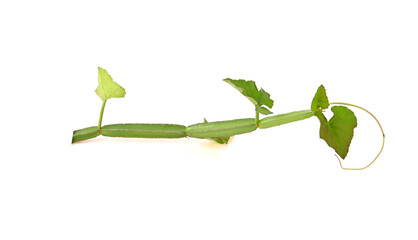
pixel 337 132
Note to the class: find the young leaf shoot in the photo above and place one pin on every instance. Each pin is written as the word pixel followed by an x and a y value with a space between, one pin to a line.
pixel 107 89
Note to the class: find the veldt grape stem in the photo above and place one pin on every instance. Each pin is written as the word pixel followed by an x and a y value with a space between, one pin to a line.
pixel 337 132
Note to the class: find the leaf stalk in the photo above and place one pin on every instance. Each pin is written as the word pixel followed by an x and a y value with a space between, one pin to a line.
pixel 101 114
pixel 257 116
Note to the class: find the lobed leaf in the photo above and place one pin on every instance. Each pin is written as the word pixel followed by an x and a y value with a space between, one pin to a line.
pixel 107 87
pixel 258 97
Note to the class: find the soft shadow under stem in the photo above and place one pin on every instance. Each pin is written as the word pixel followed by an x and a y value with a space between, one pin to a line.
pixel 381 129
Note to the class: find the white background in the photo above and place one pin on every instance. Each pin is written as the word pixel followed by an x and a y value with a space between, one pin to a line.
pixel 171 57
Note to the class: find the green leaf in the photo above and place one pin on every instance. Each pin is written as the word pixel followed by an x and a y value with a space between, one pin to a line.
pixel 258 97
pixel 339 130
pixel 320 101
pixel 107 87
pixel 220 140
pixel 263 110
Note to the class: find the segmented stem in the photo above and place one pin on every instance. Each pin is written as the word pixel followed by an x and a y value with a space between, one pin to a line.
pixel 207 130
pixel 285 118
pixel 381 129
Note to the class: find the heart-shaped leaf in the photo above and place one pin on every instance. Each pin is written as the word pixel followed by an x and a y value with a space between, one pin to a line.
pixel 339 130
pixel 107 87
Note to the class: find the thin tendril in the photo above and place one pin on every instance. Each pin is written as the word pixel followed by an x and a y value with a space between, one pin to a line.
pixel 381 129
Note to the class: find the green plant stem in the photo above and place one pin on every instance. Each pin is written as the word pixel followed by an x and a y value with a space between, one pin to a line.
pixel 101 115
pixel 281 119
pixel 84 134
pixel 257 117
pixel 206 130
pixel 138 130
pixel 223 129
